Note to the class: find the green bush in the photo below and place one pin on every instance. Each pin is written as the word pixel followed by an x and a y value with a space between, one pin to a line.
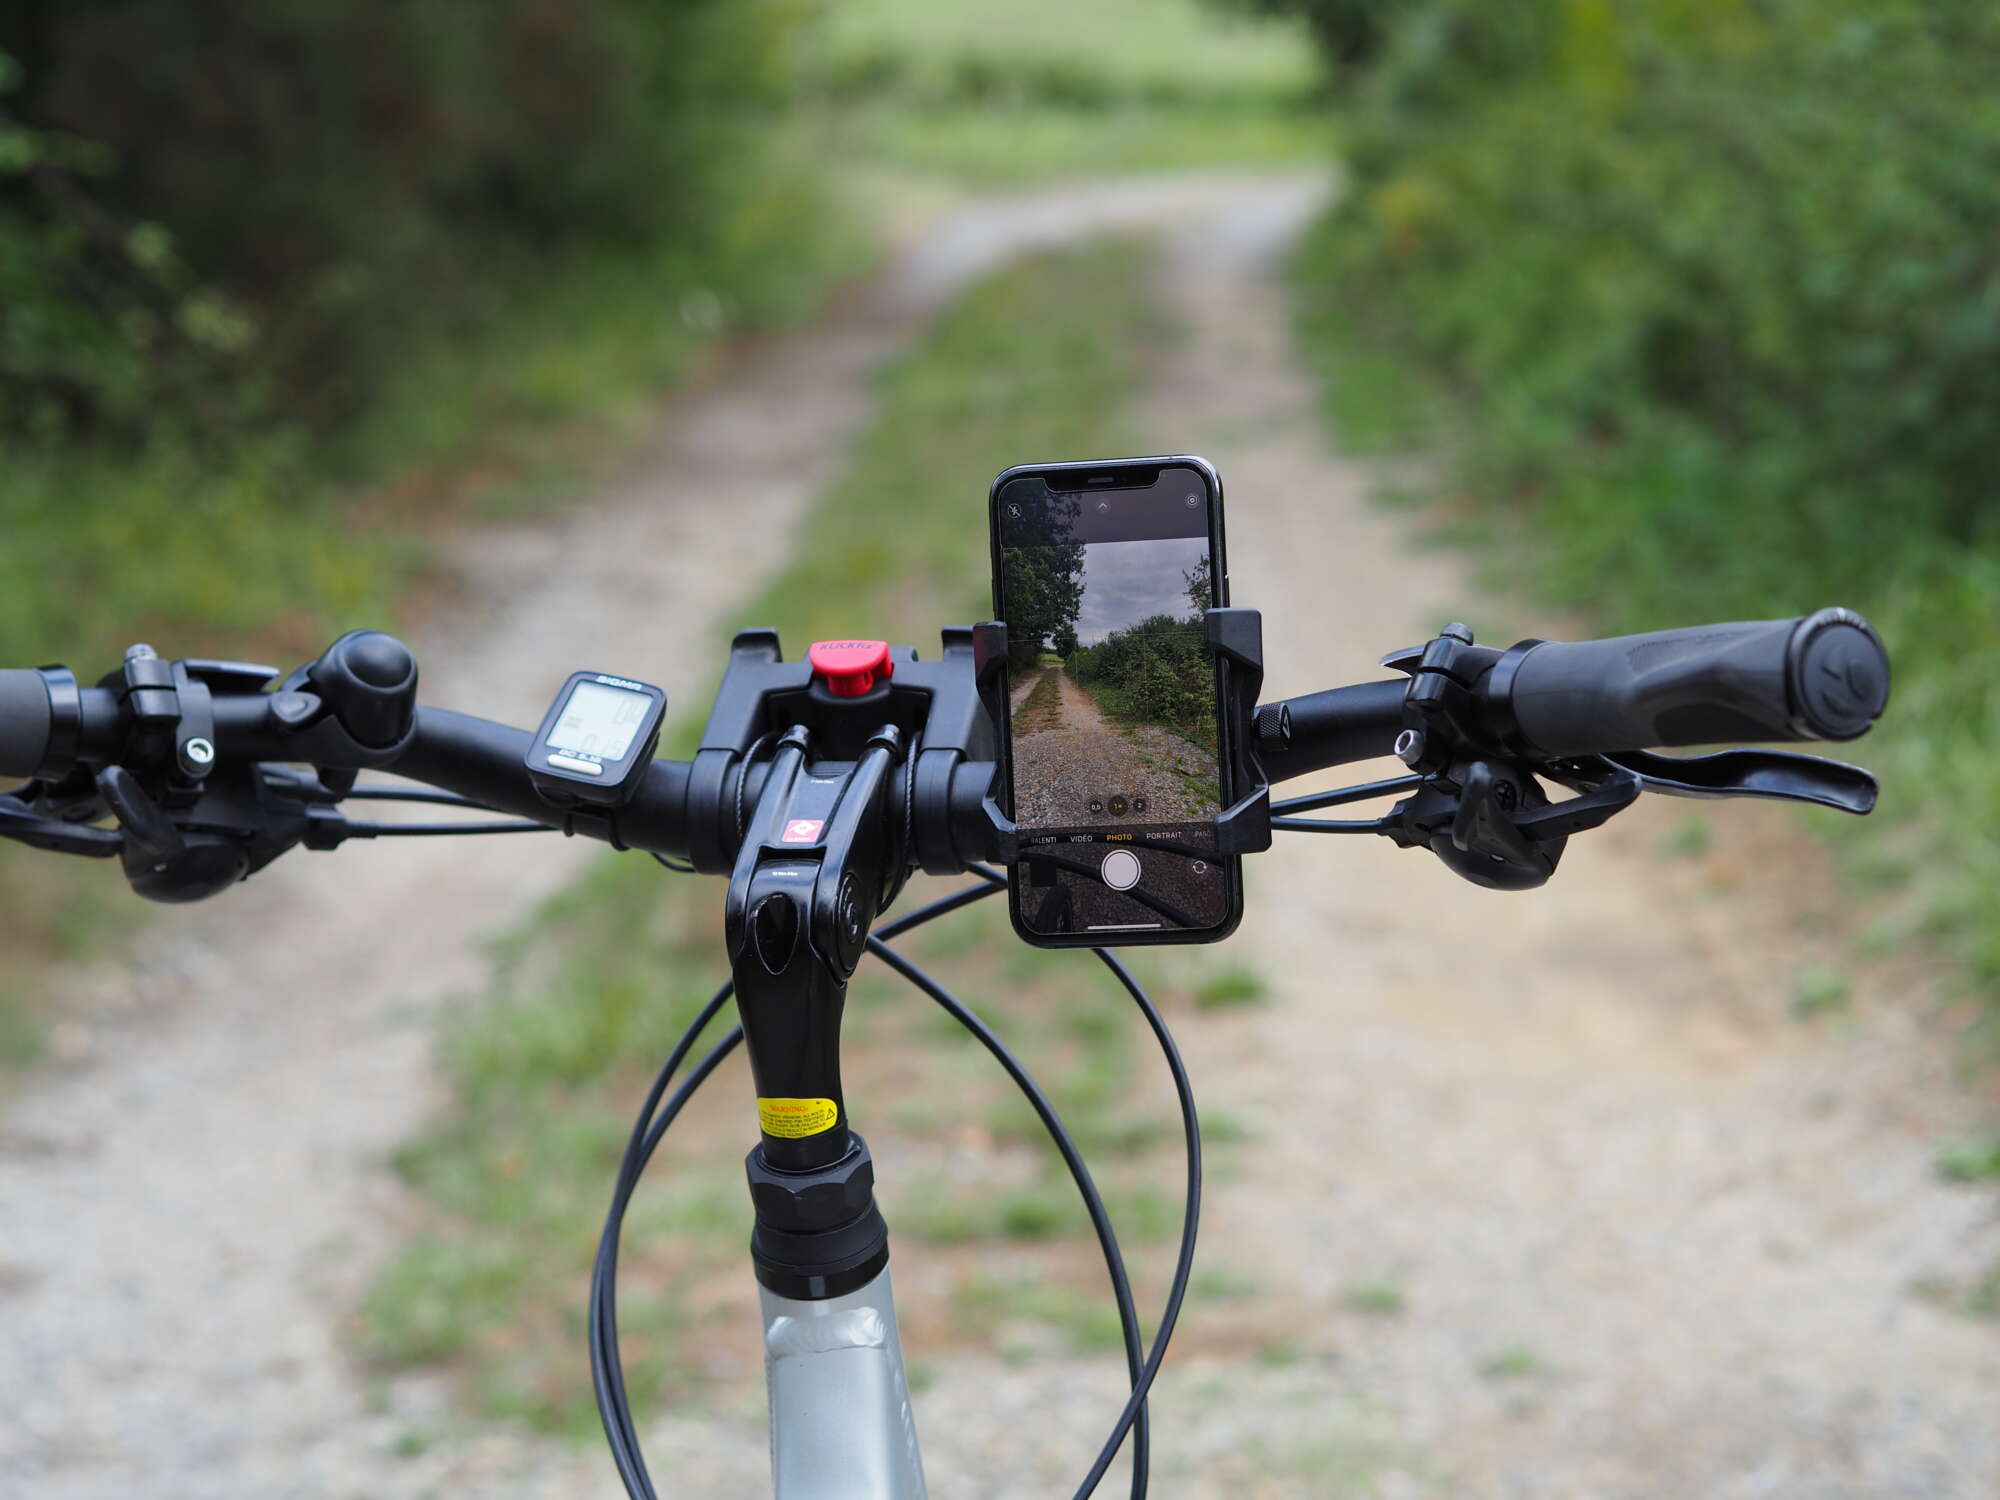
pixel 1156 672
pixel 1710 292
pixel 312 188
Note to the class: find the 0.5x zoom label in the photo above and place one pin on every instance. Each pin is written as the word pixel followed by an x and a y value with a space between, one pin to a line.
pixel 790 1119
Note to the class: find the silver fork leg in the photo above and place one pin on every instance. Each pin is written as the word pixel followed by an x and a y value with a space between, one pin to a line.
pixel 841 1425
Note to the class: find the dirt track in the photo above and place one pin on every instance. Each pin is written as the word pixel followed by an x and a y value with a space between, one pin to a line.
pixel 1080 757
pixel 1652 1236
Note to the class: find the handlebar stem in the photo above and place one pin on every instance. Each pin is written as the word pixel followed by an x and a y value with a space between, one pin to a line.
pixel 818 862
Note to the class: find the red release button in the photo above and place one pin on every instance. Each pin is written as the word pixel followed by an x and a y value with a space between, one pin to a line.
pixel 850 668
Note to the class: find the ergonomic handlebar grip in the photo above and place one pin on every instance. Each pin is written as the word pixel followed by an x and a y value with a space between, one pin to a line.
pixel 24 721
pixel 1823 676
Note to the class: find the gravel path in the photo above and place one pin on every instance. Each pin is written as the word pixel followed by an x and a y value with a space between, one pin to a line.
pixel 191 1200
pixel 1576 1209
pixel 1652 1235
pixel 1081 757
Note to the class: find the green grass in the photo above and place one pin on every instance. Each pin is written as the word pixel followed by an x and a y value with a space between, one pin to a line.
pixel 1378 1299
pixel 1222 1284
pixel 1820 991
pixel 1690 838
pixel 1973 1160
pixel 998 98
pixel 1042 708
pixel 1231 987
pixel 546 1067
pixel 1021 145
pixel 1983 1300
pixel 268 546
pixel 1086 49
pixel 1515 1362
pixel 1085 1317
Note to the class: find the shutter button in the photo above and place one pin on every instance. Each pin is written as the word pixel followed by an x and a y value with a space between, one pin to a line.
pixel 850 668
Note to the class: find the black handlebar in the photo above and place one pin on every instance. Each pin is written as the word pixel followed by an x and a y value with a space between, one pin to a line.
pixel 24 721
pixel 482 760
pixel 1300 735
pixel 1823 676
pixel 1818 677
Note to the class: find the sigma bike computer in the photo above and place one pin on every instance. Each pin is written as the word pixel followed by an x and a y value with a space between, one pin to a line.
pixel 596 740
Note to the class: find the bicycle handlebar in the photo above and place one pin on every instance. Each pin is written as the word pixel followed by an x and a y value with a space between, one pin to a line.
pixel 480 759
pixel 24 721
pixel 1823 676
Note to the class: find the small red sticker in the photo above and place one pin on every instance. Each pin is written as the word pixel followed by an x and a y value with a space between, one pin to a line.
pixel 803 831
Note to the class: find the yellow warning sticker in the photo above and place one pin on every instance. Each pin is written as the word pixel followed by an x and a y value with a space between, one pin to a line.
pixel 792 1118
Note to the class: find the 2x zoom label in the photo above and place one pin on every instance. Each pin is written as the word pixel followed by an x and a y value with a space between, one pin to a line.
pixel 790 1119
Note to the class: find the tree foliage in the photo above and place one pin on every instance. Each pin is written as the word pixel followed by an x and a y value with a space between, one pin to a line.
pixel 1155 672
pixel 1711 293
pixel 1044 589
pixel 194 194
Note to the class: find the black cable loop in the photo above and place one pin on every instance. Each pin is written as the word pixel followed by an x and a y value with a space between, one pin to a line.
pixel 1331 825
pixel 900 877
pixel 743 779
pixel 1100 1220
pixel 1190 1221
pixel 438 830
pixel 369 792
pixel 1360 792
pixel 607 1370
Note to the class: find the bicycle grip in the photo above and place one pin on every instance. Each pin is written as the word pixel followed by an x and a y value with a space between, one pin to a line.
pixel 1822 676
pixel 24 721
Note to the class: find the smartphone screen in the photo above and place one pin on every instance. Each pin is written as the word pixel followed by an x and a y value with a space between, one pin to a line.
pixel 1116 761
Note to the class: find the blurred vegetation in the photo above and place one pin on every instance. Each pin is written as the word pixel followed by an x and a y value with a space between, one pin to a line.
pixel 283 287
pixel 254 256
pixel 1702 298
pixel 987 95
pixel 1155 672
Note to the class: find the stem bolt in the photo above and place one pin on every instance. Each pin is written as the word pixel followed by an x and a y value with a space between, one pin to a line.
pixel 1409 746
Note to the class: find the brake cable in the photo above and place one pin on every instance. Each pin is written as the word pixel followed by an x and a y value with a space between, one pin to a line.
pixel 371 792
pixel 607 1369
pixel 1360 792
pixel 351 829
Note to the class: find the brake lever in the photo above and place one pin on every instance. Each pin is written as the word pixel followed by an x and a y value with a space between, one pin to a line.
pixel 1777 775
pixel 149 832
pixel 24 825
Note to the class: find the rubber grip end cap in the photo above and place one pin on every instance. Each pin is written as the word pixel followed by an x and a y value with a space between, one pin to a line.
pixel 1840 675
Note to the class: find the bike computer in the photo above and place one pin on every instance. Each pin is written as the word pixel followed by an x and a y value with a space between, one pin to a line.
pixel 596 740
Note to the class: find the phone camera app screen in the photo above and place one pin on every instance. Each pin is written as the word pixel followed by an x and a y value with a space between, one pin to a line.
pixel 1117 776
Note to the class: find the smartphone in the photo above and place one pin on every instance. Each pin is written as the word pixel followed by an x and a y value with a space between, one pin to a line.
pixel 1115 755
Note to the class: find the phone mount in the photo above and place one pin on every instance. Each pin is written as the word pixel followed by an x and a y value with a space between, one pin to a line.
pixel 1482 810
pixel 1236 639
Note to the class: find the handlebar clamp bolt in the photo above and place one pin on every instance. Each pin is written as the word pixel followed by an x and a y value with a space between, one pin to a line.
pixel 1409 746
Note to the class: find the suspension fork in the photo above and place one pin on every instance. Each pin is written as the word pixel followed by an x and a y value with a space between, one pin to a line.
pixel 809 879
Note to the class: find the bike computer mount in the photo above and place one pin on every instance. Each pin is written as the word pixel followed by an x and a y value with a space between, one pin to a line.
pixel 596 741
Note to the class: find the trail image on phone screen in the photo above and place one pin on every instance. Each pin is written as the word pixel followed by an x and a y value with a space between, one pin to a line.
pixel 1112 705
